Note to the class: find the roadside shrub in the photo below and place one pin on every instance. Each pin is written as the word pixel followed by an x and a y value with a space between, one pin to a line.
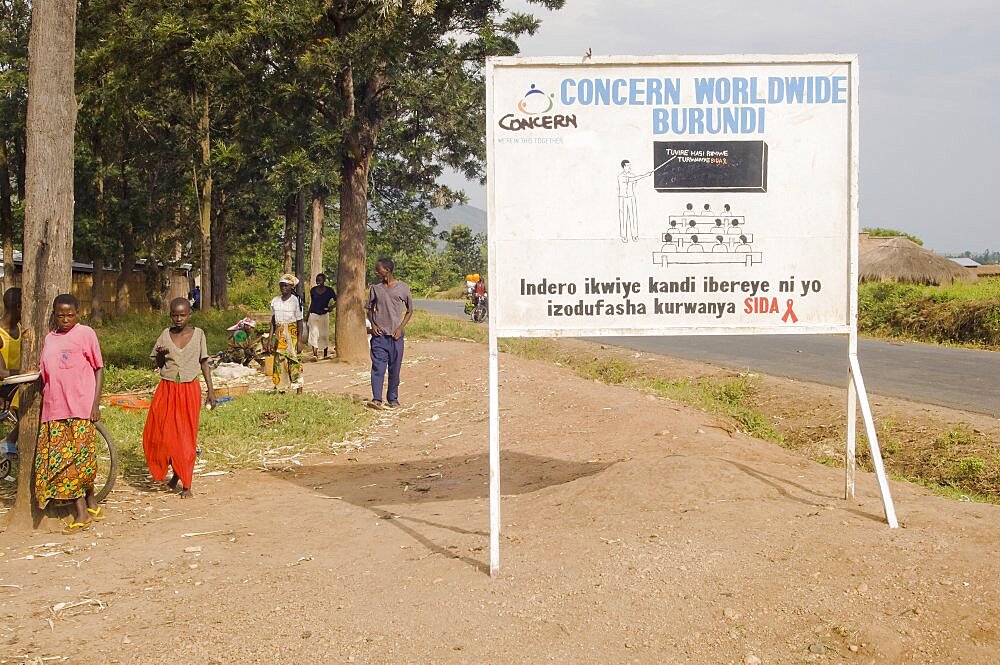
pixel 253 291
pixel 957 314
pixel 969 467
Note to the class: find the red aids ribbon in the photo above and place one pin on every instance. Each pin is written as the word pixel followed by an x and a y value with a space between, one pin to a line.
pixel 789 313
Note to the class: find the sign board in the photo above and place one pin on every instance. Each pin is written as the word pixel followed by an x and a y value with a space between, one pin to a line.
pixel 659 196
pixel 674 195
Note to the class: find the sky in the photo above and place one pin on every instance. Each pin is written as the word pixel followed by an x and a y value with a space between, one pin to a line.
pixel 930 89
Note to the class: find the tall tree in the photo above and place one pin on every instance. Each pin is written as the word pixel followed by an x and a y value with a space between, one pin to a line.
pixel 316 236
pixel 465 250
pixel 403 78
pixel 6 218
pixel 203 188
pixel 14 25
pixel 48 233
pixel 300 241
pixel 288 246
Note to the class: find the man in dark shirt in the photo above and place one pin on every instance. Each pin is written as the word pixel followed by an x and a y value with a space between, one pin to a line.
pixel 321 301
pixel 390 306
pixel 195 297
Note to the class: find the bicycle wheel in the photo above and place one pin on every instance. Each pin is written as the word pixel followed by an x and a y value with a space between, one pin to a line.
pixel 479 313
pixel 107 463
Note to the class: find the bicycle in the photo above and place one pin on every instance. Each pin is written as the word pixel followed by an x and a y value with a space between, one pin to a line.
pixel 107 454
pixel 480 310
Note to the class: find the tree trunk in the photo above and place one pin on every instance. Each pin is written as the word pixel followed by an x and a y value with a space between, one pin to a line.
pixel 48 227
pixel 359 146
pixel 123 291
pixel 220 266
pixel 316 240
pixel 206 207
pixel 22 161
pixel 290 205
pixel 350 336
pixel 6 219
pixel 97 285
pixel 300 242
pixel 97 292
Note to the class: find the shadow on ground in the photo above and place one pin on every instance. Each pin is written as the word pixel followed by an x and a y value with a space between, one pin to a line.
pixel 441 479
pixel 386 489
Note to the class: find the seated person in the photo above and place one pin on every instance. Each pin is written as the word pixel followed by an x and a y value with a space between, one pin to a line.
pixel 668 243
pixel 10 364
pixel 245 343
pixel 695 246
pixel 743 246
pixel 720 245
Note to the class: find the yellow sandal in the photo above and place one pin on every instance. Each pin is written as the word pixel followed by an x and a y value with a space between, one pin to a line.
pixel 76 527
pixel 98 513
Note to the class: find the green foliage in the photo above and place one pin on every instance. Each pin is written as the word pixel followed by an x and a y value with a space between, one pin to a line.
pixel 958 314
pixel 253 291
pixel 251 430
pixel 129 379
pixel 465 251
pixel 613 371
pixel 960 462
pixel 968 468
pixel 953 438
pixel 425 270
pixel 457 292
pixel 293 96
pixel 429 326
pixel 14 24
pixel 877 232
pixel 127 340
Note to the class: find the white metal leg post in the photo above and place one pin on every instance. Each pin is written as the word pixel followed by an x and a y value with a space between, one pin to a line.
pixel 876 453
pixel 850 461
pixel 494 457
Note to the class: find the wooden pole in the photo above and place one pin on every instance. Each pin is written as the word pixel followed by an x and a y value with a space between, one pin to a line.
pixel 48 215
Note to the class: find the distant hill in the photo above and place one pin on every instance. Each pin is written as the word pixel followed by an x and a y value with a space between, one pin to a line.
pixel 470 216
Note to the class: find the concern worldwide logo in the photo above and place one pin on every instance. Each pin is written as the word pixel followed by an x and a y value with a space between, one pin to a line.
pixel 534 108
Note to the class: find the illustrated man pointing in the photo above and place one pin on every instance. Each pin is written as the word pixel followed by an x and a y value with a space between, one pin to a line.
pixel 628 213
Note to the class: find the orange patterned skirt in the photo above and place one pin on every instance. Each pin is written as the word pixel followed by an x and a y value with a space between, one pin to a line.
pixel 65 460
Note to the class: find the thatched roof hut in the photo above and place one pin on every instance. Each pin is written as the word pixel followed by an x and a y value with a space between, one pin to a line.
pixel 898 259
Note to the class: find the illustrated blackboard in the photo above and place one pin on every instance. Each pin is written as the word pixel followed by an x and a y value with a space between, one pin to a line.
pixel 714 166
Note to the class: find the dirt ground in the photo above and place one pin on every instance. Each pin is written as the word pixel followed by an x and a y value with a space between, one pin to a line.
pixel 635 529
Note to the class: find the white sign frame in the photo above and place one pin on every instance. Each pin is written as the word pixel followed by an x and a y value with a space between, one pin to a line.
pixel 497 271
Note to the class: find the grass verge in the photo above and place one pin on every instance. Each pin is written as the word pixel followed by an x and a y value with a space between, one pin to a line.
pixel 252 431
pixel 127 340
pixel 960 314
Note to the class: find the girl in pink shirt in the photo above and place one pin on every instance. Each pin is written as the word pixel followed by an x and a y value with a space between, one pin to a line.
pixel 72 377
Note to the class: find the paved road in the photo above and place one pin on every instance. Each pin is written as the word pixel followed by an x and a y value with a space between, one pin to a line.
pixel 957 378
